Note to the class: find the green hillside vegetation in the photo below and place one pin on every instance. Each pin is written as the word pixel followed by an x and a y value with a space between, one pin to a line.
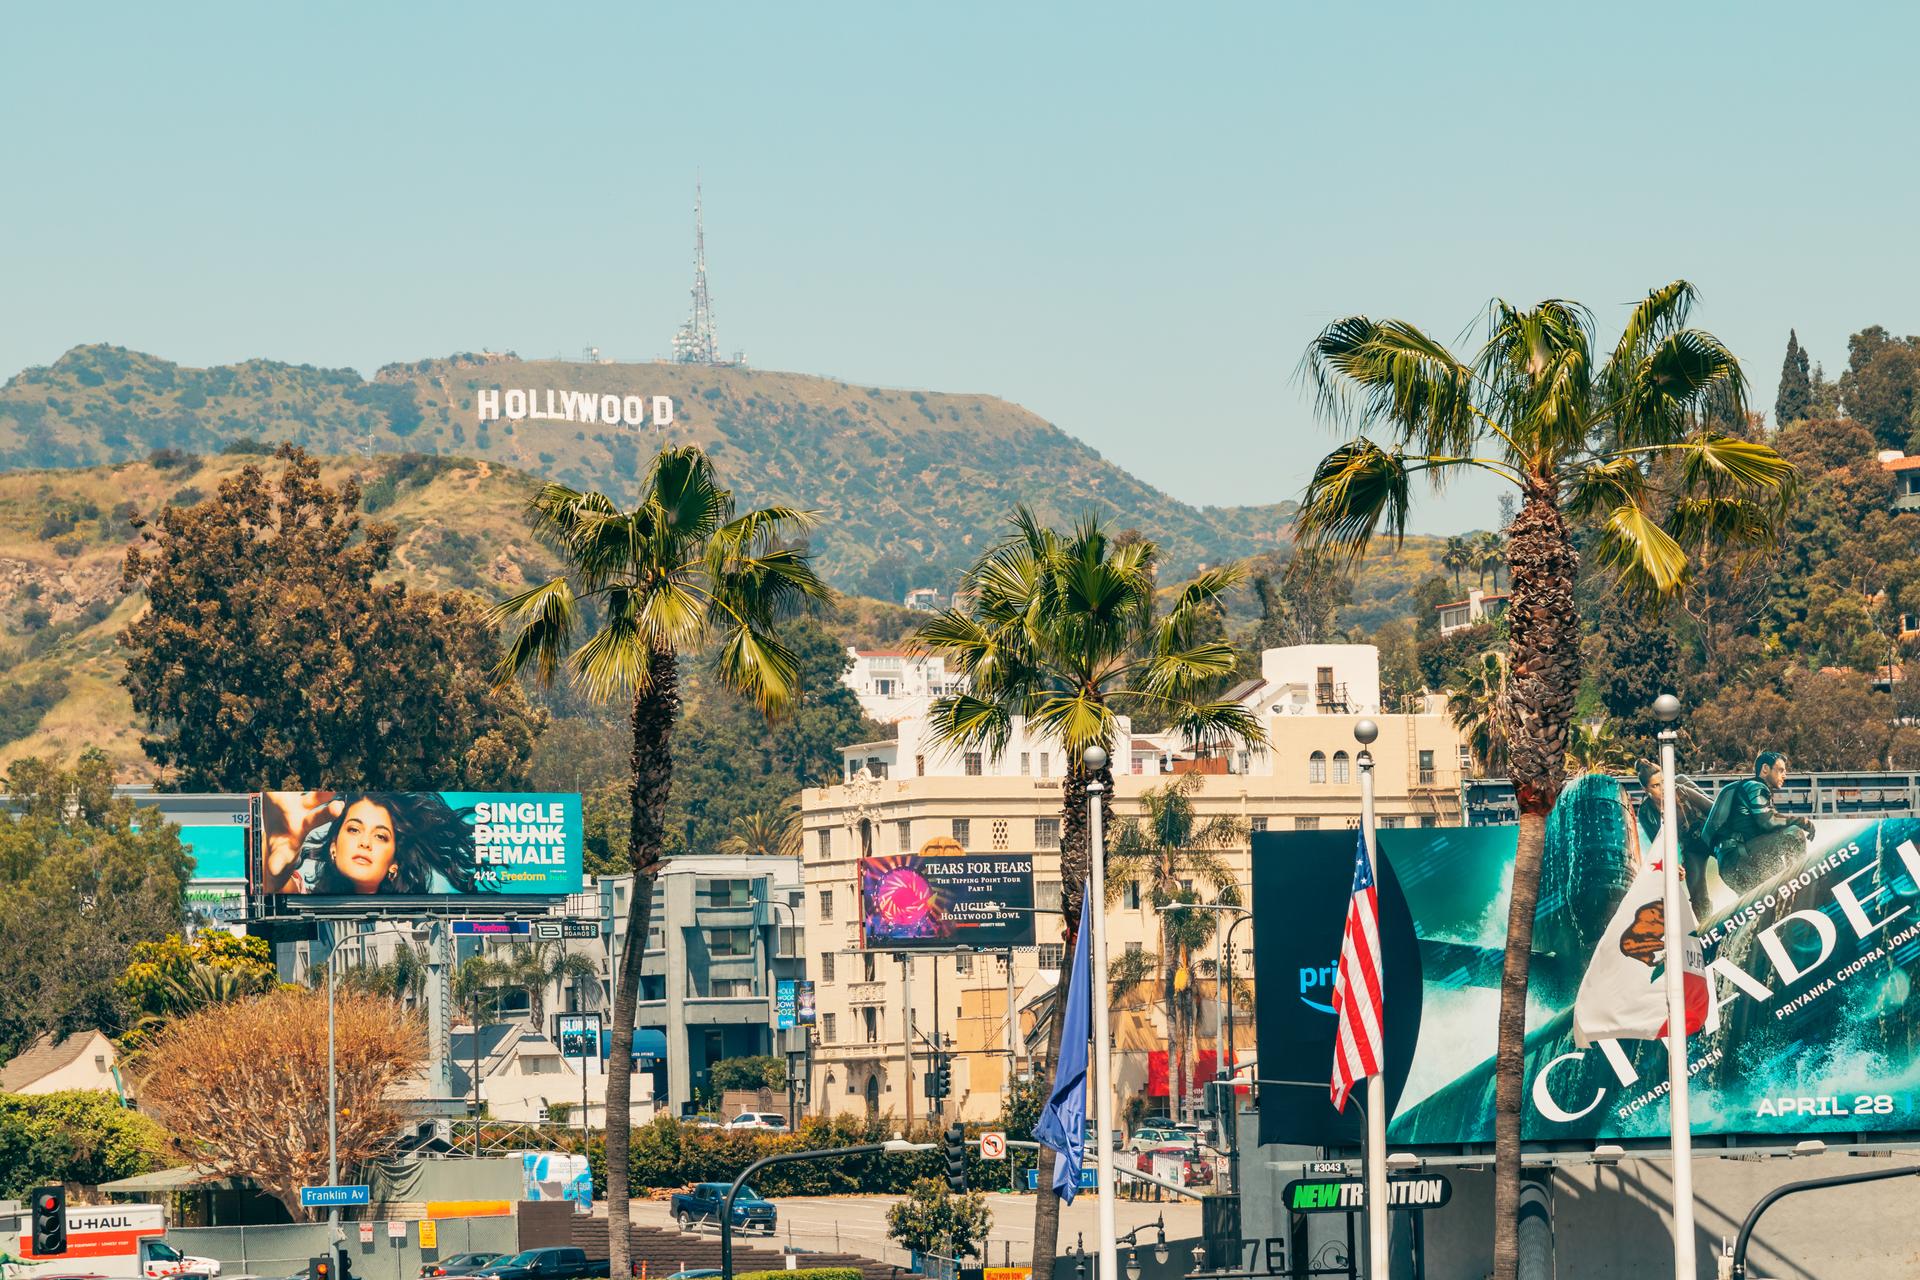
pixel 905 481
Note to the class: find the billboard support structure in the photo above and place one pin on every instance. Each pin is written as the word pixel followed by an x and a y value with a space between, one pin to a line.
pixel 1666 708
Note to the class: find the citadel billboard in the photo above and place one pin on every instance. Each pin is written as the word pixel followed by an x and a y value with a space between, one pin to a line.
pixel 1811 943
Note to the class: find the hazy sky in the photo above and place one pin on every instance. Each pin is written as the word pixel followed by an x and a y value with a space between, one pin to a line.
pixel 1129 219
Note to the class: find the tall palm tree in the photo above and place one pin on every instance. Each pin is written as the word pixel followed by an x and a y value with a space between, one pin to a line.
pixel 1595 747
pixel 1456 557
pixel 765 831
pixel 531 968
pixel 1489 553
pixel 1473 705
pixel 673 573
pixel 1623 438
pixel 1170 849
pixel 1063 630
pixel 403 978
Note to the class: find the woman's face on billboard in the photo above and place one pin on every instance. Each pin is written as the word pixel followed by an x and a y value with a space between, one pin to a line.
pixel 363 848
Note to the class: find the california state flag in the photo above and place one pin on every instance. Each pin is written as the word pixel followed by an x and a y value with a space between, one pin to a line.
pixel 1623 995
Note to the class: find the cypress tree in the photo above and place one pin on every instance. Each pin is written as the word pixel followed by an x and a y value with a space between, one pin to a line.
pixel 1795 400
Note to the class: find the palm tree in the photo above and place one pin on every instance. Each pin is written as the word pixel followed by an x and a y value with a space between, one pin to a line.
pixel 1595 747
pixel 1474 707
pixel 1489 553
pixel 1170 849
pixel 1063 631
pixel 663 578
pixel 403 978
pixel 532 968
pixel 1456 557
pixel 1623 438
pixel 765 831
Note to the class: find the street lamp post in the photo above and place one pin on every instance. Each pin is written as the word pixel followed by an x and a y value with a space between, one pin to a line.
pixel 1092 761
pixel 1666 709
pixel 1377 1239
pixel 895 1145
pixel 1221 997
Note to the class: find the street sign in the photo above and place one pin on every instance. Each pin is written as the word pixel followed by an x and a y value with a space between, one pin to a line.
pixel 493 926
pixel 396 1229
pixel 993 1146
pixel 1349 1195
pixel 366 1233
pixel 1089 1178
pixel 330 1197
pixel 1332 1168
pixel 547 930
pixel 429 1234
pixel 579 928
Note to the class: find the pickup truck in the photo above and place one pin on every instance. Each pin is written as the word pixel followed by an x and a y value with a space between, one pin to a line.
pixel 702 1204
pixel 544 1264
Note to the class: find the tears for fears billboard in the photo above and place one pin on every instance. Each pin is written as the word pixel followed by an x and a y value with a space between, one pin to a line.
pixel 1811 936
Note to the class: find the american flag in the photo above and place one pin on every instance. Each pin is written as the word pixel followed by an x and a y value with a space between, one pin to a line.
pixel 1358 1048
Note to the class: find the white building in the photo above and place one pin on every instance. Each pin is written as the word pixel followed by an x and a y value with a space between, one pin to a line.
pixel 893 684
pixel 1478 607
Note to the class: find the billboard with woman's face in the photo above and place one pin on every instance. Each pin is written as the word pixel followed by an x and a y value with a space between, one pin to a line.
pixel 347 845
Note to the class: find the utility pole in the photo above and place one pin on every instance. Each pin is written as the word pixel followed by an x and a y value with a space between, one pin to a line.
pixel 906 1032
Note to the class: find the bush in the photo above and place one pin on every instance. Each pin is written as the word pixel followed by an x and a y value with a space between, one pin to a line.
pixel 34 617
pixel 763 1072
pixel 83 1136
pixel 802 1273
pixel 934 1220
pixel 246 445
pixel 70 547
pixel 171 459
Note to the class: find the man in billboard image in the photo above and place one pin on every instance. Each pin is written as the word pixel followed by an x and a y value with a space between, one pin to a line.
pixel 347 843
pixel 1751 840
pixel 1692 807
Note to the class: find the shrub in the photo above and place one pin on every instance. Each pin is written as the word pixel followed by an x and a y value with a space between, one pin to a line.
pixel 34 617
pixel 246 445
pixel 763 1072
pixel 82 1136
pixel 802 1273
pixel 70 547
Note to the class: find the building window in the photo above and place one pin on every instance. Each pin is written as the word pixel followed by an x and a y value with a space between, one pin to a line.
pixel 829 1028
pixel 1465 756
pixel 1306 824
pixel 871 1017
pixel 1051 955
pixel 726 893
pixel 826 904
pixel 1258 824
pixel 730 988
pixel 963 831
pixel 826 842
pixel 1352 824
pixel 963 965
pixel 971 762
pixel 539 1066
pixel 853 769
pixel 1317 767
pixel 791 936
pixel 826 966
pixel 903 836
pixel 1046 833
pixel 876 766
pixel 729 942
pixel 1026 763
pixel 1046 765
pixel 999 835
pixel 1391 822
pixel 883 687
pixel 919 766
pixel 1428 820
pixel 1133 948
pixel 1131 895
pixel 1426 768
pixel 1046 895
pixel 1342 767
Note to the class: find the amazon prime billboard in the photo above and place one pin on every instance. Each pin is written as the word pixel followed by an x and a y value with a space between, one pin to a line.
pixel 1800 1019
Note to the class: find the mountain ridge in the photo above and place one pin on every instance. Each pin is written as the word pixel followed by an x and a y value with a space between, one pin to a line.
pixel 910 485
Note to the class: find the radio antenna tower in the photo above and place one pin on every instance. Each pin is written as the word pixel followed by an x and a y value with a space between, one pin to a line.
pixel 695 343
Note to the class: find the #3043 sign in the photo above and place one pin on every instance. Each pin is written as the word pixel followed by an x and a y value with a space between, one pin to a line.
pixel 1809 947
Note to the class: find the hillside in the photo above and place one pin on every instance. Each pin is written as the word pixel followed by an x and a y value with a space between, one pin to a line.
pixel 908 484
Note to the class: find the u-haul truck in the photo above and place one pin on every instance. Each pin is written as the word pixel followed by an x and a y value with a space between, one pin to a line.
pixel 116 1240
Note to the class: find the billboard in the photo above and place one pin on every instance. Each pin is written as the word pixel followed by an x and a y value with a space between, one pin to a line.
pixel 338 847
pixel 915 902
pixel 793 1003
pixel 578 1034
pixel 1811 941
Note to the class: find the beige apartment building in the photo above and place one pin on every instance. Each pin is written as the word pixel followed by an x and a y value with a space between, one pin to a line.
pixel 903 795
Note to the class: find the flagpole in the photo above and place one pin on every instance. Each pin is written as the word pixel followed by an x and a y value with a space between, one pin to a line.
pixel 1666 709
pixel 1092 761
pixel 1377 1236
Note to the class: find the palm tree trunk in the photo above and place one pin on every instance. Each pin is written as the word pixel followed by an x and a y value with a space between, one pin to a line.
pixel 1544 644
pixel 654 712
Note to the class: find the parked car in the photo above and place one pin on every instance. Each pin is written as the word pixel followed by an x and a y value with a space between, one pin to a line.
pixel 759 1120
pixel 544 1264
pixel 461 1264
pixel 1149 1137
pixel 702 1204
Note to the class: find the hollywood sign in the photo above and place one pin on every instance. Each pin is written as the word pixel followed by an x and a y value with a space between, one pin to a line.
pixel 521 404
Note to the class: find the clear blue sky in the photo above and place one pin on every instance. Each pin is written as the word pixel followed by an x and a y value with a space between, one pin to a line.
pixel 1129 219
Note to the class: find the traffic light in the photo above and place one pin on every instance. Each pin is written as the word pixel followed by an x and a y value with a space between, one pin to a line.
pixel 50 1221
pixel 957 1158
pixel 320 1268
pixel 943 1076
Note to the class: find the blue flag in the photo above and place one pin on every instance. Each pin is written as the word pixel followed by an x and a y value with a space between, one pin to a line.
pixel 1063 1121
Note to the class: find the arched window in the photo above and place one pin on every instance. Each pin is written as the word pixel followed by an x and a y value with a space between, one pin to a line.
pixel 1341 771
pixel 1317 767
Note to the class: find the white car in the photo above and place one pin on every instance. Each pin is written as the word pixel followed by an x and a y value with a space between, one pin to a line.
pixel 770 1120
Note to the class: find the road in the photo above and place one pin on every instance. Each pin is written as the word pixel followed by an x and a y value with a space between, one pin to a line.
pixel 858 1224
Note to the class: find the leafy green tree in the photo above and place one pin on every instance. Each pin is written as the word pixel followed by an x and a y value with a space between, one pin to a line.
pixel 83 1136
pixel 1063 631
pixel 173 977
pixel 676 571
pixel 1881 387
pixel 1303 605
pixel 1794 402
pixel 934 1220
pixel 1621 438
pixel 270 658
pixel 84 878
pixel 763 1071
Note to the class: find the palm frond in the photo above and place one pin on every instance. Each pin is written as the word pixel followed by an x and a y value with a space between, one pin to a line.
pixel 1712 464
pixel 1643 556
pixel 1388 373
pixel 1357 491
pixel 1654 401
pixel 1653 318
pixel 755 663
pixel 548 615
pixel 1605 484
